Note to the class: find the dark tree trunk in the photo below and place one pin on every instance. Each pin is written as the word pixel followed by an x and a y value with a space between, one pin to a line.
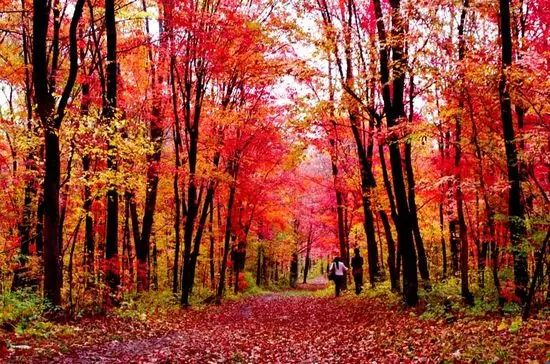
pixel 227 236
pixel 212 245
pixel 340 203
pixel 71 261
pixel 30 186
pixel 45 105
pixel 365 159
pixel 153 159
pixel 454 242
pixel 443 244
pixel 489 228
pixel 154 274
pixel 392 263
pixel 52 252
pixel 39 235
pixel 516 218
pixel 89 243
pixel 463 232
pixel 419 243
pixel 126 267
pixel 307 265
pixel 207 205
pixel 150 201
pixel 112 266
pixel 259 266
pixel 537 276
pixel 192 210
pixel 177 229
pixel 481 263
pixel 394 110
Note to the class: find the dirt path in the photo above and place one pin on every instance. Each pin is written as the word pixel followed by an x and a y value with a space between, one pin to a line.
pixel 285 328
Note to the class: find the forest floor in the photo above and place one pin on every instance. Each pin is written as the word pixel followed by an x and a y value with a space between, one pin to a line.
pixel 287 327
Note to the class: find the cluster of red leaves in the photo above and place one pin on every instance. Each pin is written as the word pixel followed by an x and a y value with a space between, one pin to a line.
pixel 284 329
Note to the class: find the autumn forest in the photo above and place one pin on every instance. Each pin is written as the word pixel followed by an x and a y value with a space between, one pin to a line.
pixel 177 177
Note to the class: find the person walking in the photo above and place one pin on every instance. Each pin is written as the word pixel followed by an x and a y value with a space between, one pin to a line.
pixel 338 271
pixel 357 270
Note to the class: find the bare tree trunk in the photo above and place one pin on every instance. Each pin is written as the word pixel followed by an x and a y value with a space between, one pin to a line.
pixel 392 263
pixel 394 110
pixel 232 189
pixel 307 265
pixel 51 122
pixel 515 205
pixel 112 271
pixel 537 276
pixel 419 243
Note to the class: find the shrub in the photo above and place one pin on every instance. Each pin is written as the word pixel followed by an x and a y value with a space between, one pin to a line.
pixel 20 309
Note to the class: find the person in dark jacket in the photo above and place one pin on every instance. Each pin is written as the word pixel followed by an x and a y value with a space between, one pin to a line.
pixel 294 270
pixel 357 270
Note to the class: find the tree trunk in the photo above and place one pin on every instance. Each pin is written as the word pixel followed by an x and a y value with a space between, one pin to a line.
pixel 112 266
pixel 259 266
pixel 45 105
pixel 340 203
pixel 516 218
pixel 192 210
pixel 52 253
pixel 392 263
pixel 365 159
pixel 419 243
pixel 307 265
pixel 227 236
pixel 394 110
pixel 537 276
pixel 443 244
pixel 463 232
pixel 89 242
pixel 212 246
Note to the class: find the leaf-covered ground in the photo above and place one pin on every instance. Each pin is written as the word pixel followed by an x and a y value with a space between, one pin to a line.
pixel 288 328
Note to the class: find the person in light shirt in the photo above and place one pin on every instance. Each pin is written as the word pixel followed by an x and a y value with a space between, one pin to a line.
pixel 338 269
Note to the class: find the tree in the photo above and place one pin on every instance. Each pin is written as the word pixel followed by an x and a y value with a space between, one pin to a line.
pixel 516 211
pixel 51 118
pixel 112 271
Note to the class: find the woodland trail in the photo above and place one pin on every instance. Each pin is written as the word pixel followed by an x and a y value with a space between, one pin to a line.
pixel 296 327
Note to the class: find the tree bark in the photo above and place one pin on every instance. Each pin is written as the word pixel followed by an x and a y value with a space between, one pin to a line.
pixel 45 107
pixel 419 243
pixel 392 263
pixel 463 232
pixel 307 265
pixel 227 235
pixel 516 211
pixel 112 268
pixel 394 110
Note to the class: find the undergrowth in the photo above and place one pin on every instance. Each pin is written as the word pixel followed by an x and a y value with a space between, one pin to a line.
pixel 24 312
